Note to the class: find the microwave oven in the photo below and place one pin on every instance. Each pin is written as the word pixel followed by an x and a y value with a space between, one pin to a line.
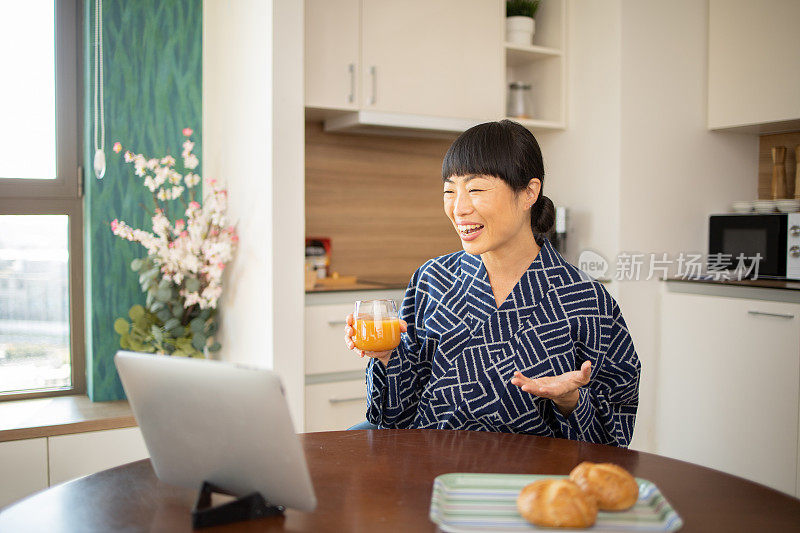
pixel 775 237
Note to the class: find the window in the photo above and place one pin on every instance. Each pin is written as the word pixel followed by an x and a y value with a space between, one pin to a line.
pixel 41 223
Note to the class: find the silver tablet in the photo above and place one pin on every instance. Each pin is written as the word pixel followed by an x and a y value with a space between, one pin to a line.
pixel 217 422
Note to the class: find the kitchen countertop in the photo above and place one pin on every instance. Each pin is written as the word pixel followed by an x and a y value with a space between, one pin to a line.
pixel 361 286
pixel 760 283
pixel 61 415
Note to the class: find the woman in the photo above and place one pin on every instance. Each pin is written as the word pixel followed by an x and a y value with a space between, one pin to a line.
pixel 505 335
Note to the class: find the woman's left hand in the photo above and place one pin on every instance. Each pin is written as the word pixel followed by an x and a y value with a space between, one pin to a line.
pixel 563 389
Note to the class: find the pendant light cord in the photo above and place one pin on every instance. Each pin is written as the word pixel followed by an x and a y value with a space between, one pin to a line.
pixel 99 112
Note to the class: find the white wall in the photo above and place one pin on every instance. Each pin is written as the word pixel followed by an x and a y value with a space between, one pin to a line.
pixel 582 164
pixel 636 166
pixel 674 171
pixel 253 141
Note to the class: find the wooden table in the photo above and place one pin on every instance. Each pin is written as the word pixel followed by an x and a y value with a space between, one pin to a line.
pixel 381 481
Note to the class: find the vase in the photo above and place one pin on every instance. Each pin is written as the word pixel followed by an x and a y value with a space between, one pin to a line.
pixel 520 30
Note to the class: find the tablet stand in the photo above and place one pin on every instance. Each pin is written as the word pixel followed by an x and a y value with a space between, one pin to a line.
pixel 247 507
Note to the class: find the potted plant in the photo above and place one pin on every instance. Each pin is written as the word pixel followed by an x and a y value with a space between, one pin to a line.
pixel 520 25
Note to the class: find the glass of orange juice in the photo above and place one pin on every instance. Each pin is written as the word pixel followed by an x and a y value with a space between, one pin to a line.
pixel 377 325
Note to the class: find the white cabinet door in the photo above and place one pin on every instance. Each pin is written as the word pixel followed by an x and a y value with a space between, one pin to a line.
pixel 728 381
pixel 324 335
pixel 753 62
pixel 332 53
pixel 23 469
pixel 80 454
pixel 335 406
pixel 433 57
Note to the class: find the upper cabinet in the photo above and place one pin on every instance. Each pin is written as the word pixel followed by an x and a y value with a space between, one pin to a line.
pixel 440 58
pixel 427 66
pixel 332 48
pixel 754 65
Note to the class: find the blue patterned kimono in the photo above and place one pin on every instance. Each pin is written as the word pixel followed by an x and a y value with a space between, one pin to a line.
pixel 453 367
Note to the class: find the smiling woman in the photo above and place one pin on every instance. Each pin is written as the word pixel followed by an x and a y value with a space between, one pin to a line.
pixel 505 335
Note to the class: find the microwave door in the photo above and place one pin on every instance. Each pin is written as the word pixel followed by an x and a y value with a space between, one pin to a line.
pixel 749 235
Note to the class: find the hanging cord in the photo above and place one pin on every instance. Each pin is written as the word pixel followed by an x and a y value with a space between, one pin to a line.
pixel 99 111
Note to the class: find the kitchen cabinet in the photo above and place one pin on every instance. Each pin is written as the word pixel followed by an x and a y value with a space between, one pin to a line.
pixel 80 454
pixel 335 406
pixel 23 468
pixel 728 385
pixel 754 65
pixel 332 48
pixel 424 67
pixel 335 387
pixel 440 58
pixel 29 465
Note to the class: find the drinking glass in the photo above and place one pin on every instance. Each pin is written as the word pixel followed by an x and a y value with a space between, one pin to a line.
pixel 377 325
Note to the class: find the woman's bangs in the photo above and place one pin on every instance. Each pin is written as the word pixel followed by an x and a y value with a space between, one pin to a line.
pixel 477 152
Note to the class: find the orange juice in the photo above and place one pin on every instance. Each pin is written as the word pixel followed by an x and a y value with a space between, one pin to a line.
pixel 377 335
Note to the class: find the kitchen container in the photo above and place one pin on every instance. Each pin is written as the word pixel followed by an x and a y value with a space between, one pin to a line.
pixel 519 100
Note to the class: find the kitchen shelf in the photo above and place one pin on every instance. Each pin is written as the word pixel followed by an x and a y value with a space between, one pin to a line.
pixel 539 125
pixel 517 54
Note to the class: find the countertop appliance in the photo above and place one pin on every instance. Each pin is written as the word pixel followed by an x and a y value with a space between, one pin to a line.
pixel 776 237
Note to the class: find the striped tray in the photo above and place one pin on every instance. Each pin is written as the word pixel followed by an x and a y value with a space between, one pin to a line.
pixel 488 502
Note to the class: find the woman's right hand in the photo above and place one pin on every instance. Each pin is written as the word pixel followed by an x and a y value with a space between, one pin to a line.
pixel 349 331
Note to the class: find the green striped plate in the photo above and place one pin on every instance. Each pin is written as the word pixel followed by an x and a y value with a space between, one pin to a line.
pixel 488 502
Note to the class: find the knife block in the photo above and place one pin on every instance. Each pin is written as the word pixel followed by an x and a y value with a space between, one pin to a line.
pixel 778 172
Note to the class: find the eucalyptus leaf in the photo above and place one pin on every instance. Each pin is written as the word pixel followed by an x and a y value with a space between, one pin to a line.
pixel 205 314
pixel 178 331
pixel 124 342
pixel 156 306
pixel 215 347
pixel 164 315
pixel 192 284
pixel 163 294
pixel 157 334
pixel 171 323
pixel 199 341
pixel 197 325
pixel 136 265
pixel 211 328
pixel 177 311
pixel 136 312
pixel 121 326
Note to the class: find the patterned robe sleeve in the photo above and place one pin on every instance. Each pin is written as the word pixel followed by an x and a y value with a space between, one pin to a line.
pixel 606 409
pixel 393 392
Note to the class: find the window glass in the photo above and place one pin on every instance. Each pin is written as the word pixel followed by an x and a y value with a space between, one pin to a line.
pixel 27 91
pixel 34 303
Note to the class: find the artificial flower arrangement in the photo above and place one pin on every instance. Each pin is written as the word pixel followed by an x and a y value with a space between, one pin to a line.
pixel 182 273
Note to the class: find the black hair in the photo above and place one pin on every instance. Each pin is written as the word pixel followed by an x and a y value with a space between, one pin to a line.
pixel 505 150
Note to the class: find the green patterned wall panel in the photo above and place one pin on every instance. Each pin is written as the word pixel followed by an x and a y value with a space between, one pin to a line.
pixel 153 89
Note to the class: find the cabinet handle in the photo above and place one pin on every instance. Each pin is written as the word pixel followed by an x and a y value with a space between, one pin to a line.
pixel 351 68
pixel 777 315
pixel 343 400
pixel 337 323
pixel 374 74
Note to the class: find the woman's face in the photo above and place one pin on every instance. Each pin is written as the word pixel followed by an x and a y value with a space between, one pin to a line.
pixel 486 212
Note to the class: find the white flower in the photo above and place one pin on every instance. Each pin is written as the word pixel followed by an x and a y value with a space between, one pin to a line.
pixel 191 180
pixel 150 183
pixel 191 161
pixel 162 194
pixel 162 173
pixel 174 177
pixel 176 192
pixel 168 160
pixel 152 164
pixel 187 147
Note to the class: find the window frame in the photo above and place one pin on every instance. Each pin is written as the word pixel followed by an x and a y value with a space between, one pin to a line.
pixel 62 195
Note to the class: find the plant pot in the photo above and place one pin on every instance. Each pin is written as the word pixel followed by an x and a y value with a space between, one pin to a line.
pixel 520 30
